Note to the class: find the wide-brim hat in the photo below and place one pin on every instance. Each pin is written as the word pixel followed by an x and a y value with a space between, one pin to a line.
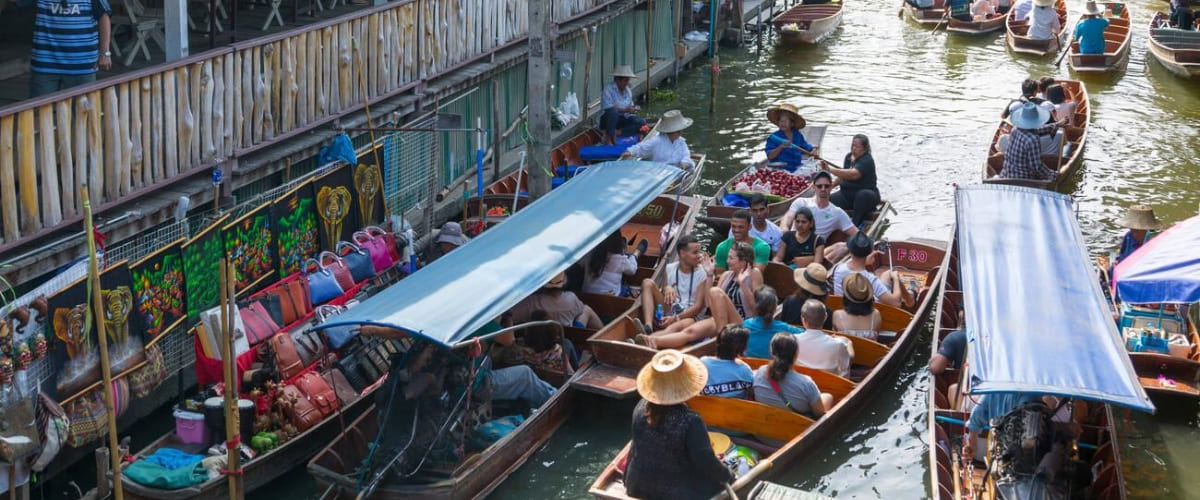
pixel 1029 116
pixel 812 279
pixel 1141 217
pixel 1092 9
pixel 557 282
pixel 1043 3
pixel 671 377
pixel 797 120
pixel 451 232
pixel 624 71
pixel 673 121
pixel 857 288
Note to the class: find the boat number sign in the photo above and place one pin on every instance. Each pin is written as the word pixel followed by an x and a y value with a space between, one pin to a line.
pixel 912 255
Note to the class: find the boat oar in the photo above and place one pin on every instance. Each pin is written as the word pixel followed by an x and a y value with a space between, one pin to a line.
pixel 1065 52
pixel 945 17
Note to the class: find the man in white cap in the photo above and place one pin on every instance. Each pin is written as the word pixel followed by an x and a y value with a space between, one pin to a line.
pixel 618 109
pixel 449 237
pixel 1023 149
pixel 1043 21
pixel 668 146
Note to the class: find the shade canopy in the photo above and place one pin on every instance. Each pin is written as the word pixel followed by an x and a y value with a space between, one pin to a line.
pixel 1036 318
pixel 1164 270
pixel 454 296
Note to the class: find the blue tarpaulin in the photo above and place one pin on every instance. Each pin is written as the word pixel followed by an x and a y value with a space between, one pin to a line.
pixel 1037 320
pixel 455 295
pixel 1164 270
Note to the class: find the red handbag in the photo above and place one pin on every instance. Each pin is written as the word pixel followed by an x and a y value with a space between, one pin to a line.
pixel 389 239
pixel 380 258
pixel 299 410
pixel 287 358
pixel 341 272
pixel 318 393
pixel 258 323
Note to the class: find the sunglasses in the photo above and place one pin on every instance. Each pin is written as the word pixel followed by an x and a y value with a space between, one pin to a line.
pixel 822 186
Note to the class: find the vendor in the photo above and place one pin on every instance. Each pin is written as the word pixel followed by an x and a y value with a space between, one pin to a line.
pixel 1141 222
pixel 859 192
pixel 668 146
pixel 619 111
pixel 786 147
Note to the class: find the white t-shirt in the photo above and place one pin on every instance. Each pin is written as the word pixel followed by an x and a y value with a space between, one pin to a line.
pixel 690 285
pixel 609 281
pixel 840 272
pixel 822 351
pixel 772 235
pixel 826 219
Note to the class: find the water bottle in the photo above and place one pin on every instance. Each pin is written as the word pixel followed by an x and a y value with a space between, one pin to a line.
pixel 658 314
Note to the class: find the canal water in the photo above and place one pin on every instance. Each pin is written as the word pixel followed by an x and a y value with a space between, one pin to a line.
pixel 929 104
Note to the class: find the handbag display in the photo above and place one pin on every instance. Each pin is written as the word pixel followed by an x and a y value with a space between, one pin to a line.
pixel 287 358
pixel 380 257
pixel 298 409
pixel 338 336
pixel 341 386
pixel 271 303
pixel 18 429
pixel 309 346
pixel 294 300
pixel 146 379
pixel 334 263
pixel 349 368
pixel 388 238
pixel 318 392
pixel 321 283
pixel 357 260
pixel 258 322
pixel 88 418
pixel 54 427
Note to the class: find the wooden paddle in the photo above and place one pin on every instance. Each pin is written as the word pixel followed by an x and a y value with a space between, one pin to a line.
pixel 945 17
pixel 1065 52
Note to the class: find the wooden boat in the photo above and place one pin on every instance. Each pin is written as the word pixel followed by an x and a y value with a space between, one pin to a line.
pixel 976 28
pixel 921 261
pixel 808 24
pixel 1116 46
pixel 1177 50
pixel 929 17
pixel 1022 44
pixel 717 214
pixel 1074 139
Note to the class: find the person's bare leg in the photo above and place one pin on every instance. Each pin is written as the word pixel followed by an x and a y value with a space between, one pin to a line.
pixel 696 331
pixel 722 309
pixel 677 326
pixel 651 296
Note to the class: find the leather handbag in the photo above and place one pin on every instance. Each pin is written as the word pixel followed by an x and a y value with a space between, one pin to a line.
pixel 321 283
pixel 309 346
pixel 294 300
pixel 18 429
pixel 338 336
pixel 54 427
pixel 349 368
pixel 271 303
pixel 258 322
pixel 318 392
pixel 357 260
pixel 389 239
pixel 298 409
pixel 337 380
pixel 380 258
pixel 287 358
pixel 337 266
pixel 147 378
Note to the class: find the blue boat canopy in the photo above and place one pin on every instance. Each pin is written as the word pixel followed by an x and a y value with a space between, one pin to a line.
pixel 1164 270
pixel 1036 318
pixel 454 296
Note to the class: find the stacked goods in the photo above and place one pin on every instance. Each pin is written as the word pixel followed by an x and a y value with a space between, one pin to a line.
pixel 772 181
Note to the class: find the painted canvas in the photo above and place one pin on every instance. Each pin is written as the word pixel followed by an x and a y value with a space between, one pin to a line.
pixel 124 331
pixel 337 206
pixel 250 245
pixel 294 220
pixel 158 291
pixel 368 185
pixel 202 269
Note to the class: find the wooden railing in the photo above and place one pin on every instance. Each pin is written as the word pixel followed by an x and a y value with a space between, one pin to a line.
pixel 131 135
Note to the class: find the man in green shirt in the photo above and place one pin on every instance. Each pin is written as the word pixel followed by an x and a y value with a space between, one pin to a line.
pixel 739 225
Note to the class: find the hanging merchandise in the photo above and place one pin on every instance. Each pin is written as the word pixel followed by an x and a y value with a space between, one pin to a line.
pixel 368 183
pixel 202 268
pixel 294 220
pixel 158 290
pixel 250 245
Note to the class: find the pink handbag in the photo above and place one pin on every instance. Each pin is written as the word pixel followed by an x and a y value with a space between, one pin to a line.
pixel 377 247
pixel 389 239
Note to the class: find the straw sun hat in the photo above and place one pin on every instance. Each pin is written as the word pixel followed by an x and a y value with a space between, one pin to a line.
pixel 1141 217
pixel 1092 9
pixel 624 71
pixel 1043 3
pixel 812 279
pixel 797 120
pixel 673 121
pixel 857 288
pixel 671 377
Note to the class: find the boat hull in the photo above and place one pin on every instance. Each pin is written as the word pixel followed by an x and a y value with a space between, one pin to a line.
pixel 1076 139
pixel 929 18
pixel 976 28
pixel 1177 51
pixel 1116 47
pixel 808 24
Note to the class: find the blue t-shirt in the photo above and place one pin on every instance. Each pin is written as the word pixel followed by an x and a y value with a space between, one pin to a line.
pixel 1090 33
pixel 727 378
pixel 995 405
pixel 759 345
pixel 66 36
pixel 791 157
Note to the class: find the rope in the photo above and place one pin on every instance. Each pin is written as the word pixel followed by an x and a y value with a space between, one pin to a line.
pixel 474 353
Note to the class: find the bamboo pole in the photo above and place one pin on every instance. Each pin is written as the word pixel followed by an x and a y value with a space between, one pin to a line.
pixel 590 41
pixel 649 40
pixel 105 367
pixel 233 467
pixel 371 128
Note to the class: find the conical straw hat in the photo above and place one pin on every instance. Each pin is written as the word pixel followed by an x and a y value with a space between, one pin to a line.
pixel 625 71
pixel 673 121
pixel 672 377
pixel 1141 217
pixel 797 120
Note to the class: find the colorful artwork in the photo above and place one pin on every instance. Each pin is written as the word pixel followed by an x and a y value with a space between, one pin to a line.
pixel 76 355
pixel 337 206
pixel 294 220
pixel 368 183
pixel 125 340
pixel 158 291
pixel 202 270
pixel 251 248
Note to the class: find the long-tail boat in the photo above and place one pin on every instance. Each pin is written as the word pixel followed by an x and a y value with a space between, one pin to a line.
pixel 1018 33
pixel 1117 38
pixel 808 24
pixel 975 28
pixel 463 291
pixel 756 425
pixel 1017 261
pixel 1177 50
pixel 1070 155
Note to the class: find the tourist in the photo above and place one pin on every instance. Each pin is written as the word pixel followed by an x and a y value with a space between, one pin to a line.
pixel 810 284
pixel 561 305
pixel 684 295
pixel 71 39
pixel 728 376
pixel 763 325
pixel 1043 21
pixel 618 108
pixel 959 9
pixel 983 10
pixel 786 147
pixel 776 384
pixel 670 456
pixel 727 302
pixel 858 316
pixel 1141 222
pixel 1023 8
pixel 760 226
pixel 1003 6
pixel 607 264
pixel 1029 91
pixel 1044 84
pixel 821 350
pixel 1089 31
pixel 668 146
pixel 832 224
pixel 1064 110
pixel 739 232
pixel 1023 148
pixel 542 347
pixel 801 246
pixel 952 352
pixel 861 249
pixel 859 190
pixel 1181 16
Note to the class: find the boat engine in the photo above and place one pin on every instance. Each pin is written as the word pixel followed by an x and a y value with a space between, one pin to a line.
pixel 1028 455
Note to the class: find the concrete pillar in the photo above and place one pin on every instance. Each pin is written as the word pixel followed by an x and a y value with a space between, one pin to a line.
pixel 541 52
pixel 176 25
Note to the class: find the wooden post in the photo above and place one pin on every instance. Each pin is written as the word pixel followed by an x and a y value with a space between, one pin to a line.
pixel 590 41
pixel 176 26
pixel 98 314
pixel 712 90
pixel 760 31
pixel 649 40
pixel 232 428
pixel 540 52
pixel 497 137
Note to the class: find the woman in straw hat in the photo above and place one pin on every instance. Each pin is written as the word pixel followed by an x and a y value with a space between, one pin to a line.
pixel 858 316
pixel 810 284
pixel 670 456
pixel 1089 31
pixel 777 384
pixel 1043 21
pixel 1140 221
pixel 618 109
pixel 668 146
pixel 786 147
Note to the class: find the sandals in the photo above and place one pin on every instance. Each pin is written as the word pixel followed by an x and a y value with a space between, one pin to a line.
pixel 645 340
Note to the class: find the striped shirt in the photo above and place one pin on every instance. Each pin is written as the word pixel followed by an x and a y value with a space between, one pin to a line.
pixel 66 37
